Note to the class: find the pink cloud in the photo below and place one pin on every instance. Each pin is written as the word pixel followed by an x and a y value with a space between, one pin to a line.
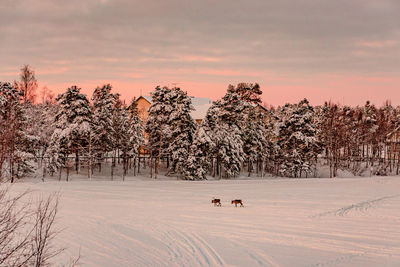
pixel 187 58
pixel 377 44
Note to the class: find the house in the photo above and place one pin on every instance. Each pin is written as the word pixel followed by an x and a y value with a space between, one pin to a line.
pixel 200 104
pixel 143 105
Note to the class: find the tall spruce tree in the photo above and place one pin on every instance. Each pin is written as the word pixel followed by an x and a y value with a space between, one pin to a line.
pixel 136 129
pixel 298 140
pixel 204 149
pixel 182 129
pixel 254 138
pixel 157 127
pixel 248 92
pixel 103 103
pixel 73 127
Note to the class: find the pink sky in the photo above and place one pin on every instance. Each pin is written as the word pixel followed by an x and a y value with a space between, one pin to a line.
pixel 344 89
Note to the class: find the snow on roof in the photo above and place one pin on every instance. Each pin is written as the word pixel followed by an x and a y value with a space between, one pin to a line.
pixel 147 97
pixel 200 104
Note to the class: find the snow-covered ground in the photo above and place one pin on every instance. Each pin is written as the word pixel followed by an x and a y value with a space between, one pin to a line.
pixel 285 222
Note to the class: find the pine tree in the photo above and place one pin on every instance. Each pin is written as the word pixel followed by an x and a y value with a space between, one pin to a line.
pixel 223 125
pixel 73 127
pixel 182 129
pixel 254 138
pixel 131 133
pixel 298 140
pixel 103 104
pixel 204 148
pixel 136 129
pixel 119 139
pixel 40 126
pixel 229 132
pixel 157 126
pixel 230 149
pixel 248 92
pixel 369 127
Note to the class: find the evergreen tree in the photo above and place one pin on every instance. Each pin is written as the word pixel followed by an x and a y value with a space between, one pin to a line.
pixel 248 92
pixel 157 122
pixel 199 158
pixel 181 128
pixel 298 140
pixel 120 118
pixel 73 127
pixel 136 130
pixel 103 104
pixel 229 132
pixel 204 149
pixel 254 138
pixel 223 127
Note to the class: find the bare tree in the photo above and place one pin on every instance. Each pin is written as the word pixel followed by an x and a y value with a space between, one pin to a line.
pixel 27 84
pixel 27 231
pixel 47 96
pixel 44 232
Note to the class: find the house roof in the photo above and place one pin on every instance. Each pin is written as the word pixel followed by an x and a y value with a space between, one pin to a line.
pixel 146 97
pixel 200 104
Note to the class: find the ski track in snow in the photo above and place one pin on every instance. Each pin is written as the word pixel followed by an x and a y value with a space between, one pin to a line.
pixel 257 255
pixel 190 250
pixel 361 207
pixel 339 261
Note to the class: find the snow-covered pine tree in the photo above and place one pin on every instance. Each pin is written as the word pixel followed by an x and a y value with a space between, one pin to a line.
pixel 39 127
pixel 198 162
pixel 136 129
pixel 73 126
pixel 222 133
pixel 369 128
pixel 182 129
pixel 232 108
pixel 229 149
pixel 157 123
pixel 248 92
pixel 298 140
pixel 271 136
pixel 102 124
pixel 254 138
pixel 120 119
pixel 124 137
pixel 229 132
pixel 131 134
pixel 203 150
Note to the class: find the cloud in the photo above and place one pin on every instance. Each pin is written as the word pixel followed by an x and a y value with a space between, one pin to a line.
pixel 378 44
pixel 213 41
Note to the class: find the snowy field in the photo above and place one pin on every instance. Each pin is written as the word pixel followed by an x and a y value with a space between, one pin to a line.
pixel 285 222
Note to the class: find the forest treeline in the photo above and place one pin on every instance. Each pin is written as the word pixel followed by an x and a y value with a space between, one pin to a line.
pixel 237 136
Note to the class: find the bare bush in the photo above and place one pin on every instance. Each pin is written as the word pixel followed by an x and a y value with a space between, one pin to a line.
pixel 27 230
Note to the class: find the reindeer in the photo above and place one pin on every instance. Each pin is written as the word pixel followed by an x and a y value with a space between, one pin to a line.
pixel 237 201
pixel 216 201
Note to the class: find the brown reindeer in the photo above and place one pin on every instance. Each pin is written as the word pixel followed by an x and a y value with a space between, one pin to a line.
pixel 217 202
pixel 237 201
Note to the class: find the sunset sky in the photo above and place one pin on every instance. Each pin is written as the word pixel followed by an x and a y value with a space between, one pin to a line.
pixel 339 50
